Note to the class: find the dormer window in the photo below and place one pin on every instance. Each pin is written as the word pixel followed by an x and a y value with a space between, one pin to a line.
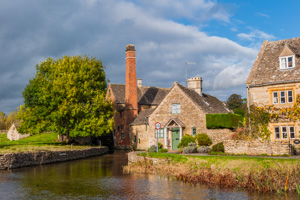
pixel 287 62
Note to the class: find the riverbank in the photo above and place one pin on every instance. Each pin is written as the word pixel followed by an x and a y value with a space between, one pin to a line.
pixel 252 173
pixel 26 159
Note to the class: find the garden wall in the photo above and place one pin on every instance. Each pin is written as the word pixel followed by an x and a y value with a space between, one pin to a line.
pixel 17 160
pixel 219 135
pixel 255 147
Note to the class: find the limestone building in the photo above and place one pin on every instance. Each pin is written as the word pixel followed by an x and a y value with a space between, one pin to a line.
pixel 274 81
pixel 180 110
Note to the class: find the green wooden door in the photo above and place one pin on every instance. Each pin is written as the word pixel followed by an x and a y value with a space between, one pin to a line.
pixel 175 138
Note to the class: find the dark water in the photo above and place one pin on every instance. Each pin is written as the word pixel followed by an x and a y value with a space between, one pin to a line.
pixel 102 178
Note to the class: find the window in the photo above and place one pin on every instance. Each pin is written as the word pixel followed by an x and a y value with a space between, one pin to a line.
pixel 277 133
pixel 175 108
pixel 120 114
pixel 194 132
pixel 284 132
pixel 122 136
pixel 292 132
pixel 275 97
pixel 160 133
pixel 135 139
pixel 287 62
pixel 282 96
pixel 290 96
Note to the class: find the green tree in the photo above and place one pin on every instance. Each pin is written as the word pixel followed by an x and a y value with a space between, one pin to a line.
pixel 3 120
pixel 67 95
pixel 12 118
pixel 235 101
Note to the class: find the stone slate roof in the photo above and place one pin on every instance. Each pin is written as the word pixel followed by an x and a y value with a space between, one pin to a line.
pixel 142 117
pixel 209 104
pixel 266 71
pixel 146 95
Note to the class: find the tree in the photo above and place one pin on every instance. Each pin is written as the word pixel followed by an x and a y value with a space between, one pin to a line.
pixel 12 118
pixel 235 101
pixel 67 95
pixel 3 120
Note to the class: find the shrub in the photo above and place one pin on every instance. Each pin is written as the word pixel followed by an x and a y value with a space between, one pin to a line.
pixel 160 145
pixel 218 147
pixel 229 120
pixel 203 149
pixel 153 148
pixel 186 139
pixel 203 139
pixel 163 150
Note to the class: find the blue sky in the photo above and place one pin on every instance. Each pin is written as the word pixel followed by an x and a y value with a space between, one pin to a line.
pixel 222 37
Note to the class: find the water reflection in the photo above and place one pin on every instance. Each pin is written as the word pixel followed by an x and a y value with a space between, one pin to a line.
pixel 102 178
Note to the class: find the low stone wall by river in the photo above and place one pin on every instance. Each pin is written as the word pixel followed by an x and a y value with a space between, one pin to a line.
pixel 134 158
pixel 17 160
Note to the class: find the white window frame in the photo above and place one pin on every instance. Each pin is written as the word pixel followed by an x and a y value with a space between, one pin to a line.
pixel 284 132
pixel 292 132
pixel 161 133
pixel 275 99
pixel 176 108
pixel 284 63
pixel 287 94
pixel 282 96
pixel 278 132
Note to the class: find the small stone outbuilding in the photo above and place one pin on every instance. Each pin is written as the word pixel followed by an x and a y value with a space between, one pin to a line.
pixel 13 133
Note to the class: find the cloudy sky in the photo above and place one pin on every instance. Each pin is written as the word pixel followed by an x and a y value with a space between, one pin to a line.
pixel 222 38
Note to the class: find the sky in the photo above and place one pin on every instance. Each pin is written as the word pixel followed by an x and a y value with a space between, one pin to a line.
pixel 220 37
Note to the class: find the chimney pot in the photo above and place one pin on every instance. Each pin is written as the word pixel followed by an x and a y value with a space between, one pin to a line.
pixel 130 47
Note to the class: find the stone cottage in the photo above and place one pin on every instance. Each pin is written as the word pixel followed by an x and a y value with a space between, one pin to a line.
pixel 180 110
pixel 275 81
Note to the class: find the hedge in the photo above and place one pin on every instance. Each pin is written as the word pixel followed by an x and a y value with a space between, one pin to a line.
pixel 229 120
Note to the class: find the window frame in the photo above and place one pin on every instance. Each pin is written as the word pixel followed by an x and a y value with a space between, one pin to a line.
pixel 194 129
pixel 286 132
pixel 275 92
pixel 282 96
pixel 285 64
pixel 293 132
pixel 275 133
pixel 287 96
pixel 160 133
pixel 175 108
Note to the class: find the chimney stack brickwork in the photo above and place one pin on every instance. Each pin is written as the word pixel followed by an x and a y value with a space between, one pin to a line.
pixel 195 83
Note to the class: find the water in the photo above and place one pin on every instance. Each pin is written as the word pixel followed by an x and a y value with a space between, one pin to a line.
pixel 102 178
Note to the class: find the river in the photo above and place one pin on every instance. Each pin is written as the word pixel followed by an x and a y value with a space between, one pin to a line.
pixel 102 178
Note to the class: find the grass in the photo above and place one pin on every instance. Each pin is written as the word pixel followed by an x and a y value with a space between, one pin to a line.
pixel 253 173
pixel 42 142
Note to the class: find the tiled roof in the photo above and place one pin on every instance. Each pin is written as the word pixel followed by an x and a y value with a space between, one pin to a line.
pixel 266 67
pixel 142 117
pixel 207 103
pixel 146 95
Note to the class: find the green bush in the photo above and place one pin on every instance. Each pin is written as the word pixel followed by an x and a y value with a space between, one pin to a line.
pixel 203 139
pixel 240 111
pixel 153 148
pixel 160 145
pixel 218 147
pixel 163 150
pixel 229 120
pixel 186 139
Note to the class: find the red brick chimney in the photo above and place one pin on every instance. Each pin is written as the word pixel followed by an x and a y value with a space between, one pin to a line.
pixel 131 101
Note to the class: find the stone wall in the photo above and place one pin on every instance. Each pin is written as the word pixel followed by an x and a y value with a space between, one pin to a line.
pixel 219 135
pixel 255 147
pixel 17 160
pixel 134 158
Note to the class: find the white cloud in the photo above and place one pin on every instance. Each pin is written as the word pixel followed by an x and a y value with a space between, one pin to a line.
pixel 256 34
pixel 40 29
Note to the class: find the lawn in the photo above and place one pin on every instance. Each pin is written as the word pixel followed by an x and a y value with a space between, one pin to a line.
pixel 42 142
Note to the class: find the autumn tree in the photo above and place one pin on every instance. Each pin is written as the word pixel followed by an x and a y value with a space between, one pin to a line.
pixel 67 96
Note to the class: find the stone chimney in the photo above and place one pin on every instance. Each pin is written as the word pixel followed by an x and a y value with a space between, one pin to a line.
pixel 139 82
pixel 131 101
pixel 195 83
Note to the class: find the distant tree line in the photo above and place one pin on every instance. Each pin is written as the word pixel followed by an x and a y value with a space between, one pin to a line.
pixel 7 121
